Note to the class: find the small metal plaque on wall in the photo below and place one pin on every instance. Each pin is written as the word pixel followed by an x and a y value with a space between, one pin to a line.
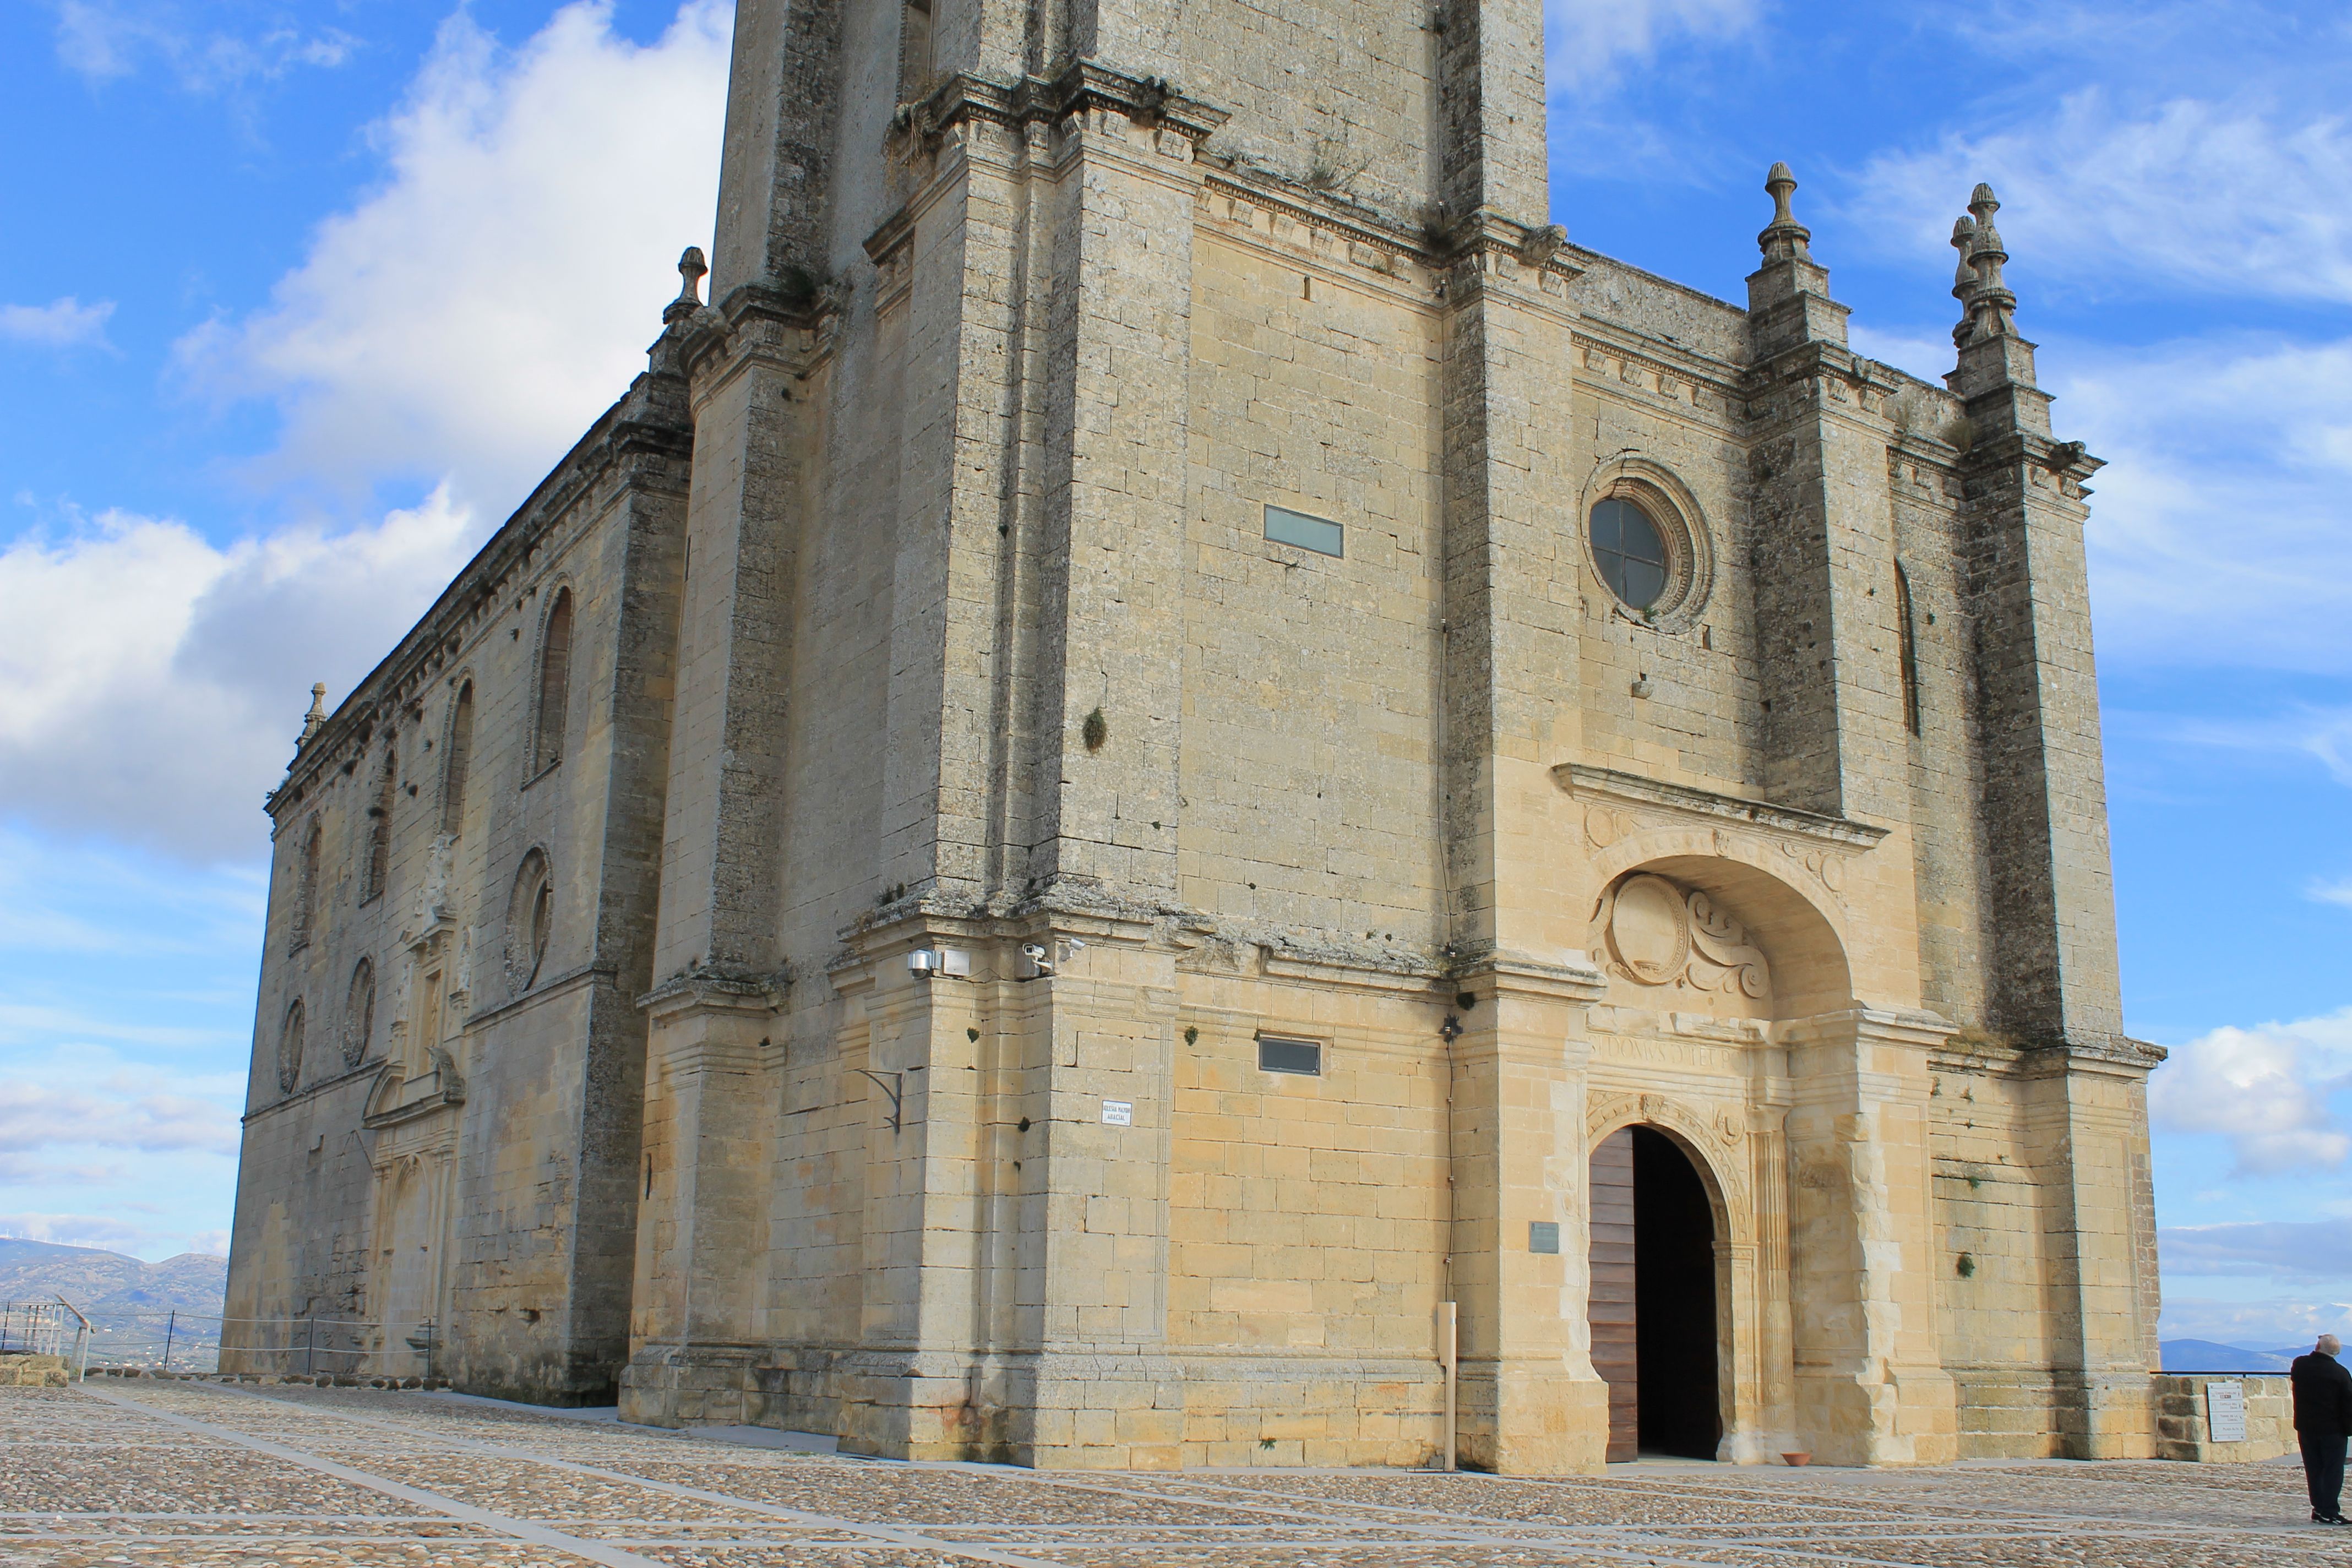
pixel 2225 1412
pixel 1119 1112
pixel 1543 1236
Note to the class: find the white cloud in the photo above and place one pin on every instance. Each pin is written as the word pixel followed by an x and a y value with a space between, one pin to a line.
pixel 59 324
pixel 1926 358
pixel 2277 1249
pixel 471 315
pixel 75 1230
pixel 2339 891
pixel 35 1117
pixel 151 683
pixel 2275 1324
pixel 460 325
pixel 2237 198
pixel 103 42
pixel 1586 40
pixel 2220 533
pixel 2324 734
pixel 2265 1089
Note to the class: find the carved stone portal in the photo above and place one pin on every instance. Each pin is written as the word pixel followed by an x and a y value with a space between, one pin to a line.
pixel 1656 932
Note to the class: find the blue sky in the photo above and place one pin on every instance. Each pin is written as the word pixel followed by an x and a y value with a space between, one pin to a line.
pixel 301 300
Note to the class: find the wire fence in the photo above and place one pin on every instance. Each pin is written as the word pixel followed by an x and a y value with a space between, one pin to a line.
pixel 51 1328
pixel 168 1338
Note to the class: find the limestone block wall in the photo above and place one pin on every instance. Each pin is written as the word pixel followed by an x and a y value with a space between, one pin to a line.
pixel 1307 1214
pixel 1945 753
pixel 1307 762
pixel 1334 95
pixel 2183 1431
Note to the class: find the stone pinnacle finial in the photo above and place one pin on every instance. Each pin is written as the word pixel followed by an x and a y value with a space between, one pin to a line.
pixel 1964 273
pixel 316 719
pixel 1989 304
pixel 691 267
pixel 1784 239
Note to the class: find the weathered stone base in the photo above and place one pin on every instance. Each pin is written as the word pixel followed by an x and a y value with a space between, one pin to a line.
pixel 34 1371
pixel 2008 1413
pixel 1531 1419
pixel 693 1385
pixel 2180 1427
pixel 1906 1416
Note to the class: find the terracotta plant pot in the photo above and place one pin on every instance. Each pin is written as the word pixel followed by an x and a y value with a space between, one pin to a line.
pixel 1796 1458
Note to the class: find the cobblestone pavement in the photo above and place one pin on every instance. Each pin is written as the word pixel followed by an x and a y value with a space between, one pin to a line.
pixel 196 1475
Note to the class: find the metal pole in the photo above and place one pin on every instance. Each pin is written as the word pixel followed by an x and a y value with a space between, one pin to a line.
pixel 1449 1346
pixel 169 1324
pixel 310 1347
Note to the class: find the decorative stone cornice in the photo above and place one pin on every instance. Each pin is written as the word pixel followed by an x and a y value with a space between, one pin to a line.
pixel 790 324
pixel 1977 1051
pixel 709 991
pixel 1086 85
pixel 1515 974
pixel 1607 785
pixel 648 426
pixel 389 1104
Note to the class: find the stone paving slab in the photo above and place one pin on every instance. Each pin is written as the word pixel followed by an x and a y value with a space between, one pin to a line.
pixel 197 1476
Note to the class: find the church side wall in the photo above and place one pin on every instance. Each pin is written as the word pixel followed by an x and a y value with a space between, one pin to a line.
pixel 496 1238
pixel 1307 1229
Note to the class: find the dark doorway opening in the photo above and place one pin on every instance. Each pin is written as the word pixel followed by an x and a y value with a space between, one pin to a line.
pixel 1653 1303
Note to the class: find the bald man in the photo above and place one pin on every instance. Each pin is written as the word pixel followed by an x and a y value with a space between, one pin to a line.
pixel 2323 1416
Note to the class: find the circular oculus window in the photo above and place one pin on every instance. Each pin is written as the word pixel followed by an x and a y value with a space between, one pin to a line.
pixel 1646 552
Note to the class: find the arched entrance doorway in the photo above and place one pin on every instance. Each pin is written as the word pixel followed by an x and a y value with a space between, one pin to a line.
pixel 1653 1301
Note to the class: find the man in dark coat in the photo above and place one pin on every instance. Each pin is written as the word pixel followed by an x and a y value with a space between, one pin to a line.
pixel 2323 1416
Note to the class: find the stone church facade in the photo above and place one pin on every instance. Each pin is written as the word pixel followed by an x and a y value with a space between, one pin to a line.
pixel 1174 781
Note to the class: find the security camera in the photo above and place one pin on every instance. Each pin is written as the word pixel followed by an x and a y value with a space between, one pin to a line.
pixel 1034 962
pixel 1074 944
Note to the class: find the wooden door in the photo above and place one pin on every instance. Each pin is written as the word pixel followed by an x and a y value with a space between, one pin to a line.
pixel 1609 1308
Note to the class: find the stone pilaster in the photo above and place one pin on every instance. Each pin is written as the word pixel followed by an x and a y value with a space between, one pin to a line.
pixel 1829 645
pixel 1531 1403
pixel 1869 1383
pixel 2045 806
pixel 716 954
pixel 708 1146
pixel 2086 1128
pixel 2056 990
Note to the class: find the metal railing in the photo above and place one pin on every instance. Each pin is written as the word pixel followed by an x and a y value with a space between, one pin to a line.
pixel 175 1339
pixel 54 1327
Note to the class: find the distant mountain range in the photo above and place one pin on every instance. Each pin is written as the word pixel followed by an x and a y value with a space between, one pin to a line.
pixel 2206 1355
pixel 134 1308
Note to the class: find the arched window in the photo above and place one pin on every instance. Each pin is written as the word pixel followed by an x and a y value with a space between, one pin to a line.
pixel 530 921
pixel 460 757
pixel 306 887
pixel 554 684
pixel 1904 626
pixel 289 1050
pixel 379 829
pixel 359 1014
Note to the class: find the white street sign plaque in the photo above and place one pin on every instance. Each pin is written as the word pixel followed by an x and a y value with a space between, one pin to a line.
pixel 2225 1412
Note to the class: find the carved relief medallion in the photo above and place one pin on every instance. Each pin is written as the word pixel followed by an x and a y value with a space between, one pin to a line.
pixel 1658 933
